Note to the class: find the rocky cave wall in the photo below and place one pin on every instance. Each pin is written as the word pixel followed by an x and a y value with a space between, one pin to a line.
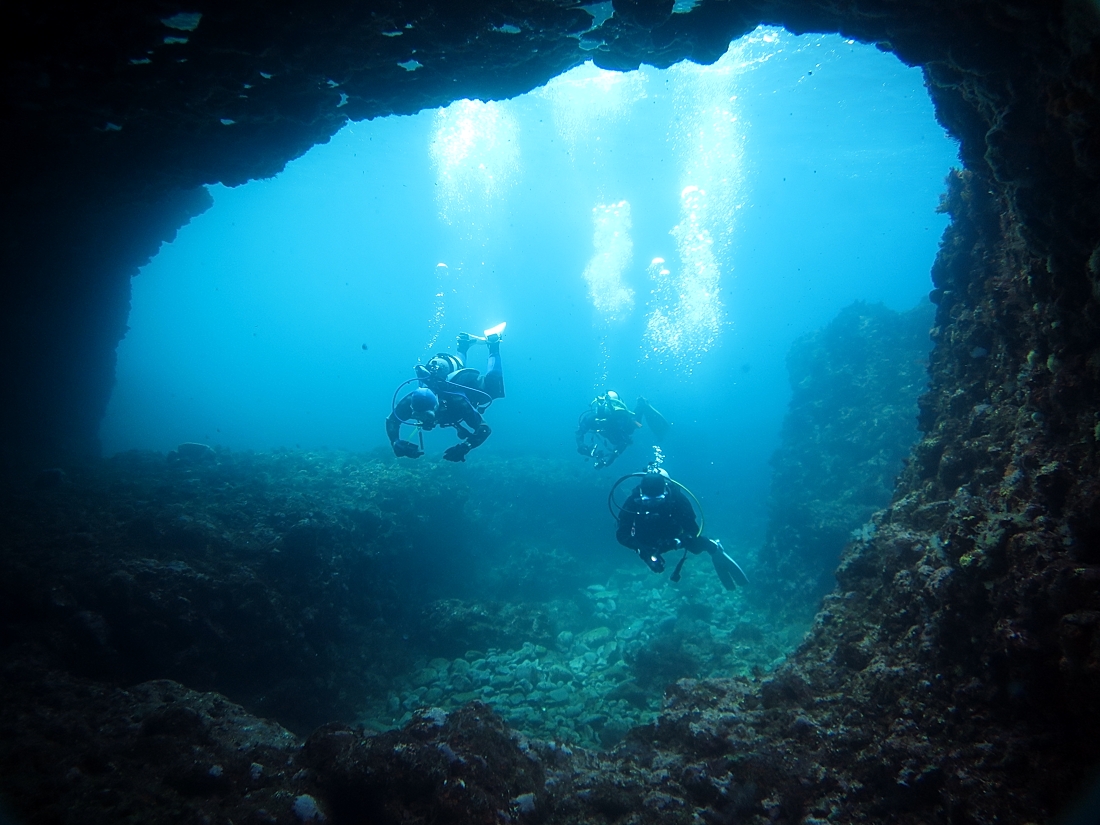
pixel 950 676
pixel 851 422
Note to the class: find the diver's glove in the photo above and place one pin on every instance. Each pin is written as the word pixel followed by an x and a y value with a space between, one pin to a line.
pixel 652 560
pixel 457 452
pixel 406 449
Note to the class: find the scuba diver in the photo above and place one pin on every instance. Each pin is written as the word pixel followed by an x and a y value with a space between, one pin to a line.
pixel 449 394
pixel 607 427
pixel 658 517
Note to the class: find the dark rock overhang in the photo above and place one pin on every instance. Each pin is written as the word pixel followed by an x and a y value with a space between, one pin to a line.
pixel 117 115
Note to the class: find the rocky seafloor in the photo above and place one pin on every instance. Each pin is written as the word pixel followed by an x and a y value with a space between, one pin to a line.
pixel 326 585
pixel 309 587
pixel 590 687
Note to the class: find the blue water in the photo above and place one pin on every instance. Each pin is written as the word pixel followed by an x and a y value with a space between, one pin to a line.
pixel 286 315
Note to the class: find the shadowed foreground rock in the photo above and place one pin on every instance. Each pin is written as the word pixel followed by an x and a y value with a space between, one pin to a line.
pixel 460 767
pixel 74 751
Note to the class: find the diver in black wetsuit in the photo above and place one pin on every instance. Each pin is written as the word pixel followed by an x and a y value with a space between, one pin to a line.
pixel 658 517
pixel 450 395
pixel 607 427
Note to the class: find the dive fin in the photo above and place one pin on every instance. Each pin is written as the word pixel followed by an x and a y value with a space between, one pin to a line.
pixel 497 330
pixel 729 572
pixel 657 422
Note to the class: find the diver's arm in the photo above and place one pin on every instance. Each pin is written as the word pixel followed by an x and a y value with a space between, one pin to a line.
pixel 406 449
pixel 393 428
pixel 474 436
pixel 474 420
pixel 401 412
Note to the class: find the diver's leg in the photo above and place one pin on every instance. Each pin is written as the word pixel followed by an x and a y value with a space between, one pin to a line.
pixel 657 422
pixel 493 380
pixel 465 341
pixel 697 544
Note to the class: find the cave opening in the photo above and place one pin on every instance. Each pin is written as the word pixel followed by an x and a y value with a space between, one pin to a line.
pixel 667 233
pixel 811 167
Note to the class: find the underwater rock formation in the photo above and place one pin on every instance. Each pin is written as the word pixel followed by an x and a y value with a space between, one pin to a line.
pixel 78 751
pixel 951 676
pixel 280 580
pixel 852 421
pixel 313 587
pixel 466 766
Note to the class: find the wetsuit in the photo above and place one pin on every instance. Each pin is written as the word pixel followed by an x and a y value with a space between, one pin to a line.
pixel 458 407
pixel 614 423
pixel 454 410
pixel 655 526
